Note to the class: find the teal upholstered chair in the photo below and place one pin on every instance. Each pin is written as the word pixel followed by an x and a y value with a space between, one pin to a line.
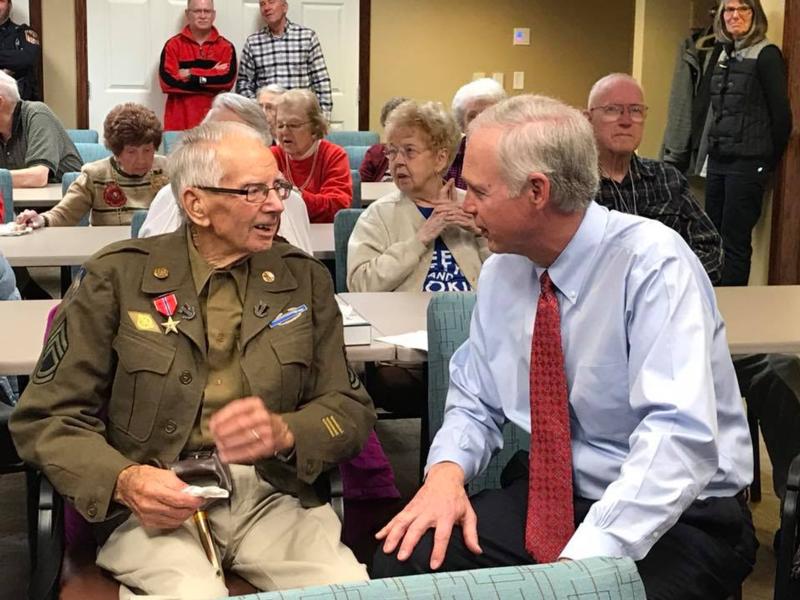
pixel 590 579
pixel 91 152
pixel 356 200
pixel 343 223
pixel 7 189
pixel 67 180
pixel 137 221
pixel 169 139
pixel 353 138
pixel 449 316
pixel 355 154
pixel 84 136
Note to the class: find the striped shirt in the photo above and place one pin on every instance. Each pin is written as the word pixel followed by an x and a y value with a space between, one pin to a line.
pixel 658 191
pixel 293 60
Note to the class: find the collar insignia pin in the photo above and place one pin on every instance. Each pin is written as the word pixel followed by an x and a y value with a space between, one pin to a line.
pixel 261 309
pixel 268 276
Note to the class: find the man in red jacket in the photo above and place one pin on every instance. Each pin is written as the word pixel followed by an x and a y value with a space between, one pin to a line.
pixel 196 65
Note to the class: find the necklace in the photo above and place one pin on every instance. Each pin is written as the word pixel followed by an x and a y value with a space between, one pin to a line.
pixel 289 175
pixel 618 195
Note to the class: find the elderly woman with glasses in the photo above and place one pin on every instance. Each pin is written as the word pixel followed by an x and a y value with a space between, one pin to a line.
pixel 112 189
pixel 164 215
pixel 319 169
pixel 748 130
pixel 418 238
pixel 469 101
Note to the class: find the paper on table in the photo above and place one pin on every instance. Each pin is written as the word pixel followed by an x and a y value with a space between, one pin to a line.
pixel 12 229
pixel 417 340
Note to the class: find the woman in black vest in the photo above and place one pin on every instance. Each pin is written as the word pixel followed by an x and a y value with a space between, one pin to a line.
pixel 750 125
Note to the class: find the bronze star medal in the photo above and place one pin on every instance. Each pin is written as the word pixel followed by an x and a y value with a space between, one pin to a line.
pixel 166 306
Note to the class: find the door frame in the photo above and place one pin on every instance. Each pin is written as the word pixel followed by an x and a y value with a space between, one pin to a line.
pixel 82 61
pixel 35 14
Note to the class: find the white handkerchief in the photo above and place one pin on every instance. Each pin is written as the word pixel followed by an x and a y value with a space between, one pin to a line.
pixel 209 491
pixel 12 229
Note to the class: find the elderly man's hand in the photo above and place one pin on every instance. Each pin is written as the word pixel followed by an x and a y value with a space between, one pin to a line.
pixel 154 496
pixel 245 431
pixel 184 74
pixel 440 503
pixel 221 67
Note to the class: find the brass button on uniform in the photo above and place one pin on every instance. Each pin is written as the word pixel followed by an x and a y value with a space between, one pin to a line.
pixel 92 510
pixel 161 272
pixel 185 377
pixel 268 276
pixel 171 426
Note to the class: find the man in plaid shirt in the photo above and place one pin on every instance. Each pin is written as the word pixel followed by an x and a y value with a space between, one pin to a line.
pixel 769 382
pixel 284 53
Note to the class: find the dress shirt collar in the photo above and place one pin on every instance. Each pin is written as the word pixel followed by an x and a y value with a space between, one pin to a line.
pixel 570 270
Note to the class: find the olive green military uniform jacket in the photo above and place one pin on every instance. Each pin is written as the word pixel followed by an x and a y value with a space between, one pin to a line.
pixel 111 389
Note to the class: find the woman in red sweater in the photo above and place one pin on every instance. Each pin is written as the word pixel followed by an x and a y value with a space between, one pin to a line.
pixel 318 168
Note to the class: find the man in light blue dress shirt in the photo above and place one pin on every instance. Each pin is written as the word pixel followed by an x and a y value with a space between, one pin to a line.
pixel 661 451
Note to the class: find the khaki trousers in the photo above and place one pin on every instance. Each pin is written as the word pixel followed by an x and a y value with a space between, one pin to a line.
pixel 263 535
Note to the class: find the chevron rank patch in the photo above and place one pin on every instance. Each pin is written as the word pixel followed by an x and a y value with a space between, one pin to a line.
pixel 143 321
pixel 53 353
pixel 332 425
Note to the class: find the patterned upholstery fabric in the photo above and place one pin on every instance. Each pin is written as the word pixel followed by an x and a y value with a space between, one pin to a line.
pixel 343 223
pixel 91 152
pixel 7 189
pixel 448 327
pixel 591 579
pixel 353 138
pixel 84 136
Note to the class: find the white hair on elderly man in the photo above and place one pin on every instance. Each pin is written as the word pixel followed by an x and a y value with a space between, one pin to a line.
pixel 544 135
pixel 480 89
pixel 194 162
pixel 246 109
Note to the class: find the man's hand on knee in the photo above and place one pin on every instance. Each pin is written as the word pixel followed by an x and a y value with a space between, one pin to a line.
pixel 440 503
pixel 245 431
pixel 154 495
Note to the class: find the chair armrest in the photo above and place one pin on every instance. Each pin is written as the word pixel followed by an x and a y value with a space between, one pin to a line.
pixel 49 552
pixel 787 568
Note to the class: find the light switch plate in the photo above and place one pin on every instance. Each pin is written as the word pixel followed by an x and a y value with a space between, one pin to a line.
pixel 519 80
pixel 499 78
pixel 522 36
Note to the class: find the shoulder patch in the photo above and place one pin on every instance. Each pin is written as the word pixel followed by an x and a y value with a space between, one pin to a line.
pixel 52 355
pixel 31 36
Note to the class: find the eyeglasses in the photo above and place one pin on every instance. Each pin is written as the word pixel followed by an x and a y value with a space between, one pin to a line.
pixel 255 193
pixel 613 112
pixel 742 10
pixel 407 152
pixel 291 126
pixel 202 11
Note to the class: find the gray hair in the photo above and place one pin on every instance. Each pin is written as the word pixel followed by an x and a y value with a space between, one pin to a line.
pixel 247 109
pixel 544 135
pixel 8 87
pixel 272 88
pixel 758 26
pixel 604 83
pixel 307 101
pixel 194 162
pixel 480 89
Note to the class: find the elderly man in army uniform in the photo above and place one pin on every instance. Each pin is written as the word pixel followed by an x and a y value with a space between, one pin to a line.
pixel 214 338
pixel 19 53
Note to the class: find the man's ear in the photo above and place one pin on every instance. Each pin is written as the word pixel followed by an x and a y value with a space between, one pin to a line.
pixel 538 190
pixel 195 207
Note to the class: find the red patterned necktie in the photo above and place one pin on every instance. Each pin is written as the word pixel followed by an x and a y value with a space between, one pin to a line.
pixel 550 520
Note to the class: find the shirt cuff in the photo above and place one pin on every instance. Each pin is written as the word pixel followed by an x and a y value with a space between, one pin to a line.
pixel 589 541
pixel 452 450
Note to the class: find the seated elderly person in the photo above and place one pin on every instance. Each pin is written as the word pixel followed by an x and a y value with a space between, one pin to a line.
pixel 375 166
pixel 212 340
pixel 418 238
pixel 164 215
pixel 112 189
pixel 36 147
pixel 319 169
pixel 267 98
pixel 469 101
